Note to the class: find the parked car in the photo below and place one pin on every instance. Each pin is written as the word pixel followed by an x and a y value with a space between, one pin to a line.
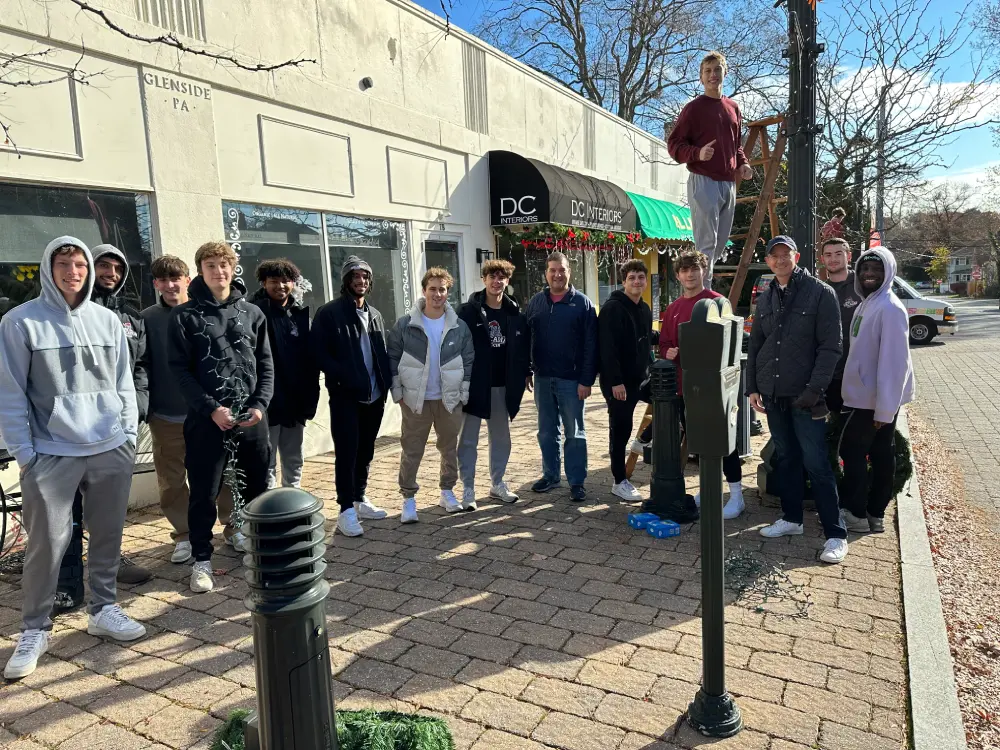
pixel 928 317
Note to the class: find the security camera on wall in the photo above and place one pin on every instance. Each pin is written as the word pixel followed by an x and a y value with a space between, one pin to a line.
pixel 366 83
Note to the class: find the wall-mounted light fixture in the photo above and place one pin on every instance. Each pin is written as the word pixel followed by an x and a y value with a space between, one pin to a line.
pixel 483 255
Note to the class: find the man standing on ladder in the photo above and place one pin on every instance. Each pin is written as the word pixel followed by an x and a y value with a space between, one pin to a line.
pixel 707 137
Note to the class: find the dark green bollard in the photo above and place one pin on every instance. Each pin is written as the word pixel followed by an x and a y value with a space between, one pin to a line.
pixel 668 497
pixel 287 598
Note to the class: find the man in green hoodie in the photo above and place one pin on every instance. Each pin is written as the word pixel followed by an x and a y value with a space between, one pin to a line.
pixel 68 415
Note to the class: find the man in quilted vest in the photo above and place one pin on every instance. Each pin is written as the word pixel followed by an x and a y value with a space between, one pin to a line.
pixel 430 358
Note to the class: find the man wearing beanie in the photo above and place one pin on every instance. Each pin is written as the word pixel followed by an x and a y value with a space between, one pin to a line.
pixel 348 343
pixel 878 380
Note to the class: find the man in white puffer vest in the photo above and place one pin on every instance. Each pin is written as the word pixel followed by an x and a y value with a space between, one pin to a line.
pixel 430 358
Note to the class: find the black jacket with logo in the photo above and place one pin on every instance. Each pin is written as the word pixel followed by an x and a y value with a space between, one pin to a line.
pixel 849 299
pixel 219 353
pixel 795 340
pixel 134 325
pixel 296 379
pixel 624 331
pixel 518 351
pixel 336 346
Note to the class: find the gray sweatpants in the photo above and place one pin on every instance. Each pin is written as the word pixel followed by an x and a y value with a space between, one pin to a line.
pixel 288 442
pixel 47 490
pixel 498 433
pixel 713 205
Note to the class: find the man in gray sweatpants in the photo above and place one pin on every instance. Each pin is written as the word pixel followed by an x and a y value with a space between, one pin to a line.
pixel 707 138
pixel 68 415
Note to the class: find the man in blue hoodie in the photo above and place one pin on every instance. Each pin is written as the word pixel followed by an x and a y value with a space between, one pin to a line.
pixel 878 380
pixel 68 415
pixel 564 355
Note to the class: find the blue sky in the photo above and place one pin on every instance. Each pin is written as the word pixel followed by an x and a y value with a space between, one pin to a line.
pixel 969 156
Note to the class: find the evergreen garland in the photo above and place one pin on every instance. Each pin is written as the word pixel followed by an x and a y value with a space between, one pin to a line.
pixel 360 730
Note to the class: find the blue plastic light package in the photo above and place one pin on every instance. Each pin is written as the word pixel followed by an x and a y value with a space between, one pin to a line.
pixel 642 520
pixel 663 529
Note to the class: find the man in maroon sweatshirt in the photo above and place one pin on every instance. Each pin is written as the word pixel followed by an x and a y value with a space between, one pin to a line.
pixel 690 268
pixel 707 137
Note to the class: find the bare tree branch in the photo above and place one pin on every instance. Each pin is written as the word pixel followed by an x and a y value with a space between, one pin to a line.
pixel 170 40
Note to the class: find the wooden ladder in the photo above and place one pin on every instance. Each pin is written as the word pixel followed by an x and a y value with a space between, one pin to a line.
pixel 770 158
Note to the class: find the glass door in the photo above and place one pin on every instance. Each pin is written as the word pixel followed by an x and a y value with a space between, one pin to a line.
pixel 446 253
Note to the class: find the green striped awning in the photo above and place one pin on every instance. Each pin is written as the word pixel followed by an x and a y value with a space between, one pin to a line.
pixel 660 220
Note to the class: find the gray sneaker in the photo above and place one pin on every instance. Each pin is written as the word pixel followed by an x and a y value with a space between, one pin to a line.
pixel 853 523
pixel 877 525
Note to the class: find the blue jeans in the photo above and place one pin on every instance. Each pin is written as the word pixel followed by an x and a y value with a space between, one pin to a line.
pixel 557 401
pixel 800 443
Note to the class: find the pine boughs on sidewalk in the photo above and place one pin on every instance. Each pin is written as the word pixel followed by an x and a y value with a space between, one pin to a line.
pixel 361 730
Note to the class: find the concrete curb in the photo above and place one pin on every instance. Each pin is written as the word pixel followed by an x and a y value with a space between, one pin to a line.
pixel 934 711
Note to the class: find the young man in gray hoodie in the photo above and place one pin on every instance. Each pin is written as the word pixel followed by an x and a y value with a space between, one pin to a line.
pixel 68 415
pixel 110 276
pixel 878 380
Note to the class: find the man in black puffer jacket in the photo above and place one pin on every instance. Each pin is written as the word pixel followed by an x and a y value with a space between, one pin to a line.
pixel 625 326
pixel 348 345
pixel 795 344
pixel 221 359
pixel 499 376
pixel 110 276
pixel 296 379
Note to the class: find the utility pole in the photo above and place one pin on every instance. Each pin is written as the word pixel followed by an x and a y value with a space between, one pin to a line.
pixel 880 165
pixel 802 127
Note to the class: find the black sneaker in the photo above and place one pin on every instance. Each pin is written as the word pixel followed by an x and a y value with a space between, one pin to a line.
pixel 544 485
pixel 876 525
pixel 577 493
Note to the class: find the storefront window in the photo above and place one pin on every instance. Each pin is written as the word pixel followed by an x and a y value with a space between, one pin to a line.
pixel 609 263
pixel 259 233
pixel 529 269
pixel 386 247
pixel 30 217
pixel 444 254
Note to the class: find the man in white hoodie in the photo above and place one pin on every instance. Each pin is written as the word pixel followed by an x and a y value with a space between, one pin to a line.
pixel 68 415
pixel 878 380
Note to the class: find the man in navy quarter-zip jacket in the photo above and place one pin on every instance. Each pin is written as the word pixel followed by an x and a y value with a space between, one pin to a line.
pixel 564 356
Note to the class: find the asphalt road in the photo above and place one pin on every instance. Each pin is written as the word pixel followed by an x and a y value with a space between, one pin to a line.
pixel 958 390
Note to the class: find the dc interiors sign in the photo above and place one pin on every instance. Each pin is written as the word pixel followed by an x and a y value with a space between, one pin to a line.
pixel 523 210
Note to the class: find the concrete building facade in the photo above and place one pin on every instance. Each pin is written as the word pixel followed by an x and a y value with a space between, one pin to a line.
pixel 375 143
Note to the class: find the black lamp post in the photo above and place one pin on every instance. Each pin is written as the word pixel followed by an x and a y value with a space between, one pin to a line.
pixel 288 601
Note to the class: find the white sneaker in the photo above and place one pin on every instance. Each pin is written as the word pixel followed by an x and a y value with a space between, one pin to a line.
pixel 469 498
pixel 114 623
pixel 368 511
pixel 637 446
pixel 238 541
pixel 409 511
pixel 502 493
pixel 31 645
pixel 202 578
pixel 182 553
pixel 734 507
pixel 348 523
pixel 449 502
pixel 626 491
pixel 781 527
pixel 834 551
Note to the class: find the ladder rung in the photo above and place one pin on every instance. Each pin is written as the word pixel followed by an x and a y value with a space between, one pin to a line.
pixel 772 120
pixel 739 236
pixel 759 162
pixel 755 198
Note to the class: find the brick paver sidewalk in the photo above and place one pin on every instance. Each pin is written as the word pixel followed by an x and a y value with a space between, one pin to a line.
pixel 542 624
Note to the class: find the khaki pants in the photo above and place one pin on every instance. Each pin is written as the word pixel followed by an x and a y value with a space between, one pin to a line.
pixel 413 441
pixel 168 458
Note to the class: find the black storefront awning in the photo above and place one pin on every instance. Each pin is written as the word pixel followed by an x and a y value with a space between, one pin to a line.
pixel 528 191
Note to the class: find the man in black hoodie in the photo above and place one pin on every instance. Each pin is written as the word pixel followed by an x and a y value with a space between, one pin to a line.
pixel 837 259
pixel 499 376
pixel 625 327
pixel 348 344
pixel 110 275
pixel 296 380
pixel 221 359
